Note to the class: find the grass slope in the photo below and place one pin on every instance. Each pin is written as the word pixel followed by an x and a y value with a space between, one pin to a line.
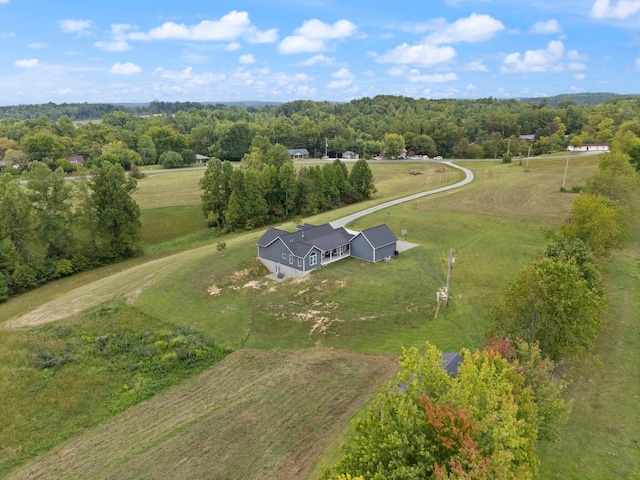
pixel 256 415
pixel 495 226
pixel 601 440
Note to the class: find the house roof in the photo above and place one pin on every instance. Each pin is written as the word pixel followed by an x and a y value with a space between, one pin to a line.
pixel 323 237
pixel 451 362
pixel 527 137
pixel 201 157
pixel 379 236
pixel 269 236
pixel 298 151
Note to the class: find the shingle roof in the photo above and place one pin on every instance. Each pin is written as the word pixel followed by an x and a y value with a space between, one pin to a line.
pixel 308 236
pixel 379 236
pixel 269 236
pixel 298 151
pixel 451 362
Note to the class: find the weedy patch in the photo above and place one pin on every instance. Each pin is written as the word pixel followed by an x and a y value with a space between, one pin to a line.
pixel 86 369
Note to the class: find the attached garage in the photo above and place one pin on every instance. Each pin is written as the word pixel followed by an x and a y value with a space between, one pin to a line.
pixel 374 244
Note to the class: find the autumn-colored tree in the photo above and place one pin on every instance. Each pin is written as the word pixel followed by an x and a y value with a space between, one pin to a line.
pixel 426 424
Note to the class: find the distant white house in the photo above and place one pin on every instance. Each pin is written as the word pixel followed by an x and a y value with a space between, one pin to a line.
pixel 590 147
pixel 201 158
pixel 349 155
pixel 76 159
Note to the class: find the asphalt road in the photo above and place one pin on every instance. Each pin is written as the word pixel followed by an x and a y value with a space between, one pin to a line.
pixel 341 222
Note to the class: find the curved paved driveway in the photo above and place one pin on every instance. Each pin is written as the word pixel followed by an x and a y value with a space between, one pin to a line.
pixel 341 222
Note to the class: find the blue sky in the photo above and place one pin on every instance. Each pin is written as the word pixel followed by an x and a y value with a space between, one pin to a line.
pixel 336 50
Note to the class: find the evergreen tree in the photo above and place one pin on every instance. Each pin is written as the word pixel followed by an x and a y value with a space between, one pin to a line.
pixel 361 180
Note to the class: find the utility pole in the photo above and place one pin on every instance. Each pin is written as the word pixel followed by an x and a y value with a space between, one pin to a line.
pixel 564 178
pixel 442 295
pixel 526 165
pixel 326 146
pixel 452 260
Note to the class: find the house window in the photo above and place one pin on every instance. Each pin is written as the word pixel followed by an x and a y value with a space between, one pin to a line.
pixel 299 262
pixel 290 258
pixel 284 256
pixel 313 258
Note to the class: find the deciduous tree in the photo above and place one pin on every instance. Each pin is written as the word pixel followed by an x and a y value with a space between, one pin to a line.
pixel 551 303
pixel 116 213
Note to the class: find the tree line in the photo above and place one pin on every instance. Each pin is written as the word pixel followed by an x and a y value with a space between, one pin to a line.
pixel 267 188
pixel 51 228
pixel 173 133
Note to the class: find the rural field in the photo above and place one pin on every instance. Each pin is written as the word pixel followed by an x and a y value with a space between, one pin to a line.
pixel 307 354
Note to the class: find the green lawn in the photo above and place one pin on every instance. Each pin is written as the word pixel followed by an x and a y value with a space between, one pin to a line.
pixel 495 225
pixel 601 440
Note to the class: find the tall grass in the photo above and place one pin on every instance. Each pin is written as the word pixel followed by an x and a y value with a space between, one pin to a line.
pixel 59 379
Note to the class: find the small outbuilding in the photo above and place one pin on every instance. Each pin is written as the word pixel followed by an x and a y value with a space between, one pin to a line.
pixel 374 244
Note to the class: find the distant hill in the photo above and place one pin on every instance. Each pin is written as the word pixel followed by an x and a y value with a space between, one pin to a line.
pixel 94 111
pixel 578 98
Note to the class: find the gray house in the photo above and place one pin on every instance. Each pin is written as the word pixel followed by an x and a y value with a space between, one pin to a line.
pixel 295 254
pixel 374 244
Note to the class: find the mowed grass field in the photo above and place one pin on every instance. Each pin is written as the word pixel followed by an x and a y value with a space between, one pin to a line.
pixel 329 327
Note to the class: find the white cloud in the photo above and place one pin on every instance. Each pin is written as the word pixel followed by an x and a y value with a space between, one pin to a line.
pixel 229 27
pixel 576 60
pixel 433 78
pixel 246 59
pixel 119 39
pixel 37 45
pixel 4 2
pixel 233 46
pixel 474 28
pixel 64 91
pixel 546 28
pixel 268 36
pixel 602 9
pixel 543 60
pixel 81 27
pixel 343 78
pixel 298 44
pixel 638 64
pixel 319 59
pixel 471 87
pixel 125 69
pixel 582 76
pixel 424 55
pixel 27 63
pixel 113 46
pixel 476 66
pixel 185 74
pixel 314 35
